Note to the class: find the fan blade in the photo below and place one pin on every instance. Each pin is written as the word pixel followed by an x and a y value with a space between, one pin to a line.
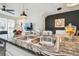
pixel 9 10
pixel 0 8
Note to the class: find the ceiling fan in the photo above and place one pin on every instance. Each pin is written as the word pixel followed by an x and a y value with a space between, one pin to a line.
pixel 7 10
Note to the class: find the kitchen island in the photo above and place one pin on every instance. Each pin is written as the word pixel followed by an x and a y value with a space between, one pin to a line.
pixel 33 45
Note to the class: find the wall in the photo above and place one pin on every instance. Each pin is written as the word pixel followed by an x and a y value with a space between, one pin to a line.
pixel 70 17
pixel 37 12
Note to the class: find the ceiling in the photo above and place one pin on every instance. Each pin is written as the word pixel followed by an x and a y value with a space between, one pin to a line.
pixel 34 8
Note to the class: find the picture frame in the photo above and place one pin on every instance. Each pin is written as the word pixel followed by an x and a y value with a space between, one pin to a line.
pixel 60 22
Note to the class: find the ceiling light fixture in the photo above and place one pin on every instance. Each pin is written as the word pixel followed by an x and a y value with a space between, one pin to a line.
pixel 23 15
pixel 59 8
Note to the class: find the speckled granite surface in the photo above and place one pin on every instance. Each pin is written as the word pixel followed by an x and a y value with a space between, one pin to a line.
pixel 2 51
pixel 2 47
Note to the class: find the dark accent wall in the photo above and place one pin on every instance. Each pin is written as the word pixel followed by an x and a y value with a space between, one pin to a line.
pixel 70 17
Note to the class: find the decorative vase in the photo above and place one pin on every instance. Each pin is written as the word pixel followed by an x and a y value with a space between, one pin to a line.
pixel 70 30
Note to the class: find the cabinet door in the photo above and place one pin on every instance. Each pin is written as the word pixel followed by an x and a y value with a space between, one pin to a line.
pixel 3 28
pixel 3 24
pixel 11 27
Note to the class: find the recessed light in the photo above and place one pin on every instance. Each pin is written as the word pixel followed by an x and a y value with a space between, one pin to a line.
pixel 59 8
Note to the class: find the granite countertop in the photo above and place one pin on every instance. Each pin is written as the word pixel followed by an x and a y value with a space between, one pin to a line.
pixel 2 47
pixel 36 46
pixel 2 51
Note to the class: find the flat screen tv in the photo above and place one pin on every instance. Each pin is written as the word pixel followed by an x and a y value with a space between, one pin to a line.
pixel 28 26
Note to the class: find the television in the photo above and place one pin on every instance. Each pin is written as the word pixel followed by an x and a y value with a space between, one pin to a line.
pixel 28 26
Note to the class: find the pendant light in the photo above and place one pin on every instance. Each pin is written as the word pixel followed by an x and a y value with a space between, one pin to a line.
pixel 23 15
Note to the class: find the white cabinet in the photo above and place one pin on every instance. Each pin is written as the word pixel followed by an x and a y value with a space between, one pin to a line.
pixel 3 24
pixel 3 27
pixel 7 25
pixel 11 27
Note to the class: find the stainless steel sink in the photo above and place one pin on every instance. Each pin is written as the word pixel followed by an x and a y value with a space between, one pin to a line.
pixel 35 41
